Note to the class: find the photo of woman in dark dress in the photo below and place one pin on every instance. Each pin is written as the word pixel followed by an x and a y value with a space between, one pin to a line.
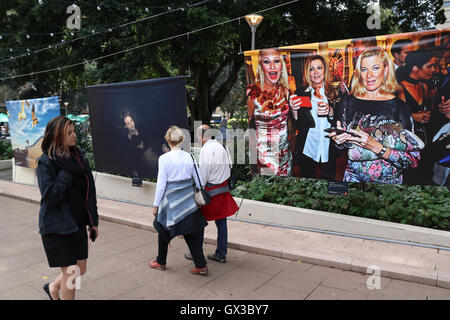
pixel 378 124
pixel 137 141
pixel 414 77
pixel 135 145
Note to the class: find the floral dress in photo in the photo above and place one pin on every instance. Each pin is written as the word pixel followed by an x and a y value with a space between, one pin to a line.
pixel 271 124
pixel 388 122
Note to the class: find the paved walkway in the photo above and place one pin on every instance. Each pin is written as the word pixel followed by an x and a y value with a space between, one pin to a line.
pixel 117 267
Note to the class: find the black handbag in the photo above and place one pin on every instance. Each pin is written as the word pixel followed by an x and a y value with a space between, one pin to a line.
pixel 232 183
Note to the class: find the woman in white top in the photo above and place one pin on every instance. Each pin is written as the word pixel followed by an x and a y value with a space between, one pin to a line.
pixel 313 151
pixel 174 207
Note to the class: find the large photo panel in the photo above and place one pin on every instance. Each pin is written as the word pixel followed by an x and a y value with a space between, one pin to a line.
pixel 369 110
pixel 129 121
pixel 27 122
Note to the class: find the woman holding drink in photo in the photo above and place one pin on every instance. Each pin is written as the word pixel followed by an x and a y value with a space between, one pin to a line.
pixel 313 151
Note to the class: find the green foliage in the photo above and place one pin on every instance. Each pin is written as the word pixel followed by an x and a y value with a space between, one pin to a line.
pixel 84 142
pixel 240 119
pixel 416 15
pixel 6 151
pixel 241 172
pixel 425 206
pixel 212 56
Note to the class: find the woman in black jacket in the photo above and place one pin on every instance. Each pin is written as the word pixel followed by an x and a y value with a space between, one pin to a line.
pixel 314 153
pixel 68 205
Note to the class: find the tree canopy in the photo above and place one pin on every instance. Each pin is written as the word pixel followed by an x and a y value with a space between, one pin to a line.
pixel 210 55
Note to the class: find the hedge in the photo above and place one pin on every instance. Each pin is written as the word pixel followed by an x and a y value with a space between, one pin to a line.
pixel 6 151
pixel 424 206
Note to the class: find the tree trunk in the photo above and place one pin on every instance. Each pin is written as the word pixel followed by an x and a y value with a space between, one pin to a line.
pixel 204 103
pixel 200 108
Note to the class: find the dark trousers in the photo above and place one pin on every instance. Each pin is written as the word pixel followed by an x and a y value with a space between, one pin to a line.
pixel 222 238
pixel 195 244
pixel 311 169
pixel 222 235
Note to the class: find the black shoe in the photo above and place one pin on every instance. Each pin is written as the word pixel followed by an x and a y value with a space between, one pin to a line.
pixel 188 256
pixel 216 258
pixel 46 288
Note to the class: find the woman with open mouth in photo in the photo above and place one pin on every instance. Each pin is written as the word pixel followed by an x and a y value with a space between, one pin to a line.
pixel 268 109
pixel 377 124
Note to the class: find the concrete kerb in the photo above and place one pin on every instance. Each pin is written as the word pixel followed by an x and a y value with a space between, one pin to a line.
pixel 5 164
pixel 339 224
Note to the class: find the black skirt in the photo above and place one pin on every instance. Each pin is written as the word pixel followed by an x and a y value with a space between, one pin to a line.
pixel 65 250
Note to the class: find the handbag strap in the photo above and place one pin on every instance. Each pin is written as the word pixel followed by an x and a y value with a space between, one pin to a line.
pixel 195 167
pixel 229 157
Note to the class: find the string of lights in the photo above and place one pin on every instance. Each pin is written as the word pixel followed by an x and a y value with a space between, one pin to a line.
pixel 93 32
pixel 144 45
pixel 129 5
pixel 29 35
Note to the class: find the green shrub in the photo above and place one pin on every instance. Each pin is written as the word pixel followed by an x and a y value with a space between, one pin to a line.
pixel 6 151
pixel 425 206
pixel 84 141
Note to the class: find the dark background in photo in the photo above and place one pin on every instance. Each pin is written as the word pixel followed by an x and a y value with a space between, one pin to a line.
pixel 153 105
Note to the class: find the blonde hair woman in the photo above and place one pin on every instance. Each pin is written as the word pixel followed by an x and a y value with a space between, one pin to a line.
pixel 264 64
pixel 308 78
pixel 176 169
pixel 313 152
pixel 268 108
pixel 389 85
pixel 375 120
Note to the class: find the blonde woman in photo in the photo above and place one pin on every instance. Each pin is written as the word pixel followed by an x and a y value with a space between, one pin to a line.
pixel 314 153
pixel 268 112
pixel 377 124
